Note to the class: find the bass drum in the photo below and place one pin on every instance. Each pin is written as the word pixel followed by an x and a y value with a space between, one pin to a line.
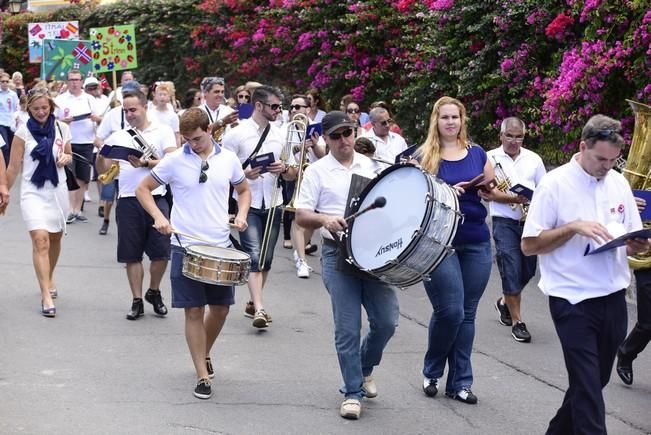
pixel 402 242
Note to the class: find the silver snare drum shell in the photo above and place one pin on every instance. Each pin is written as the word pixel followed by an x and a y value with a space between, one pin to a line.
pixel 403 242
pixel 215 265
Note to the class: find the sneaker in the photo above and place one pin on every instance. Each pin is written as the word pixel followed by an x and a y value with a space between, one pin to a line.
pixel 104 229
pixel 296 258
pixel 520 333
pixel 87 197
pixel 260 319
pixel 249 310
pixel 465 395
pixel 211 371
pixel 71 218
pixel 81 218
pixel 370 387
pixel 203 390
pixel 430 386
pixel 310 249
pixel 154 297
pixel 100 211
pixel 351 409
pixel 302 269
pixel 137 309
pixel 505 316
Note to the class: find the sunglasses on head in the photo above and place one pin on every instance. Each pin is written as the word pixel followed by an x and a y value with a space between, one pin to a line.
pixel 337 136
pixel 298 107
pixel 37 91
pixel 203 177
pixel 603 134
pixel 352 110
pixel 274 107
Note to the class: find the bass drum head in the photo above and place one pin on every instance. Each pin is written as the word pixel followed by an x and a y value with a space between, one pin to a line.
pixel 382 234
pixel 217 252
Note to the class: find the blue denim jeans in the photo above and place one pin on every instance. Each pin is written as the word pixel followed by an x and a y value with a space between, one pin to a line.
pixel 348 294
pixel 516 269
pixel 251 238
pixel 455 288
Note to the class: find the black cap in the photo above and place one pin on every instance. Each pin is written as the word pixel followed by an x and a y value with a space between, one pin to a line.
pixel 334 120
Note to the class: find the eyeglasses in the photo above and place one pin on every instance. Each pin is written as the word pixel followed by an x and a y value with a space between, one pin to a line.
pixel 352 110
pixel 244 97
pixel 337 136
pixel 298 107
pixel 512 138
pixel 603 134
pixel 203 177
pixel 273 107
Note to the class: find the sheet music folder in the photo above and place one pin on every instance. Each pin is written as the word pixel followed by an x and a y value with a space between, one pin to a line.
pixel 621 240
pixel 117 152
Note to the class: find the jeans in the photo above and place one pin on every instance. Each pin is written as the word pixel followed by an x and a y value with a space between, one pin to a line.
pixel 251 238
pixel 454 290
pixel 348 294
pixel 516 269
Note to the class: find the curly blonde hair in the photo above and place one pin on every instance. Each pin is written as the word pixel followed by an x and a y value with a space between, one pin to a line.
pixel 430 150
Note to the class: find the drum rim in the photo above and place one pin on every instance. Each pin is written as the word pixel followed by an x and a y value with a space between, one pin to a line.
pixel 244 255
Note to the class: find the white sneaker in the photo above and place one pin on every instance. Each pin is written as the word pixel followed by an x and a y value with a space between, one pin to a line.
pixel 302 269
pixel 87 197
pixel 296 259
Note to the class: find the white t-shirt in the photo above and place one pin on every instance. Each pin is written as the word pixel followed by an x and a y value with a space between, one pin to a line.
pixel 82 131
pixel 326 184
pixel 569 193
pixel 394 145
pixel 527 169
pixel 167 117
pixel 160 137
pixel 113 121
pixel 220 112
pixel 200 209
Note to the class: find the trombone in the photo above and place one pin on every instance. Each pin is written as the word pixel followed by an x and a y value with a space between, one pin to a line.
pixel 298 144
pixel 296 130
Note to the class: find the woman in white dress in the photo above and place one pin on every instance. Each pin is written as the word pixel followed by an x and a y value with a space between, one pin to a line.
pixel 42 149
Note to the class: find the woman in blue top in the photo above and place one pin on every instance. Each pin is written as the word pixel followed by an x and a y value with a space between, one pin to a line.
pixel 458 283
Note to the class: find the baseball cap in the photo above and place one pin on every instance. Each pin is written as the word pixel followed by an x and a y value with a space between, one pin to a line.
pixel 131 86
pixel 334 120
pixel 91 81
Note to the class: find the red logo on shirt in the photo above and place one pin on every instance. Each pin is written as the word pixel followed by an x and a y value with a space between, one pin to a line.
pixel 620 208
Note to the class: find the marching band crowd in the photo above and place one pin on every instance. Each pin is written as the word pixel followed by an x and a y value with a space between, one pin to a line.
pixel 197 177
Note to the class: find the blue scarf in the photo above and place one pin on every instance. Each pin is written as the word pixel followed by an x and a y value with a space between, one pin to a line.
pixel 44 136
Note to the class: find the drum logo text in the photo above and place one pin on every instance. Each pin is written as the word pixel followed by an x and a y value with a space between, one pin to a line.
pixel 388 248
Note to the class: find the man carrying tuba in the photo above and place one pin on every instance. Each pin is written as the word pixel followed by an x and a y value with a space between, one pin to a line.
pixel 513 164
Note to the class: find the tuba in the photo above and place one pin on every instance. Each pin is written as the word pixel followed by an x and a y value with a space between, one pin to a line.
pixel 296 137
pixel 504 185
pixel 637 170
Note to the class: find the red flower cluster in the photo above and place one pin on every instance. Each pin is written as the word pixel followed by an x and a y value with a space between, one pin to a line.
pixel 556 29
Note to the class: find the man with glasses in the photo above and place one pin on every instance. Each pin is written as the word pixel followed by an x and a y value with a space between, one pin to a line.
pixel 136 234
pixel 321 204
pixel 220 114
pixel 243 141
pixel 576 208
pixel 199 175
pixel 526 168
pixel 387 143
pixel 9 105
pixel 80 111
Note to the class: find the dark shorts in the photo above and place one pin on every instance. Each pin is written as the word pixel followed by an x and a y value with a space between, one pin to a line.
pixel 187 293
pixel 94 174
pixel 80 168
pixel 136 233
pixel 516 269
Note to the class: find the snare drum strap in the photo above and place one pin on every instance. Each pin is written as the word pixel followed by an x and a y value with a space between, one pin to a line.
pixel 180 245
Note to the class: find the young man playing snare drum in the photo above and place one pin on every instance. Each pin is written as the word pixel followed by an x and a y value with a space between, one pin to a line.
pixel 199 174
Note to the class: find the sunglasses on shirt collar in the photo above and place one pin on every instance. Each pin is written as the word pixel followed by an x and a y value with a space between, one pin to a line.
pixel 203 177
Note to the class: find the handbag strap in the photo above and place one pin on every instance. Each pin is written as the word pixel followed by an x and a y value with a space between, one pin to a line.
pixel 257 147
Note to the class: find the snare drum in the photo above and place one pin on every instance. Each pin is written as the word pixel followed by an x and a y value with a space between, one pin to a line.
pixel 402 242
pixel 214 265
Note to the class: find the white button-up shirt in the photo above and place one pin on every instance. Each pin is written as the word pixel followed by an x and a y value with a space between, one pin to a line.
pixel 569 193
pixel 220 111
pixel 389 149
pixel 326 184
pixel 83 131
pixel 242 141
pixel 527 169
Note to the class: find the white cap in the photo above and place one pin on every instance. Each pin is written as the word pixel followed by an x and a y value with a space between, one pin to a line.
pixel 91 81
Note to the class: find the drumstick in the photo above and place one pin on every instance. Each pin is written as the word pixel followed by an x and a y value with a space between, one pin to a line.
pixel 192 237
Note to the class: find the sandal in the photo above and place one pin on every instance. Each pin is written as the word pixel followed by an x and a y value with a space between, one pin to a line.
pixel 48 312
pixel 54 293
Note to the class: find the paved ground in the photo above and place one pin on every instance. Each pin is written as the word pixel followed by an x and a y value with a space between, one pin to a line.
pixel 90 371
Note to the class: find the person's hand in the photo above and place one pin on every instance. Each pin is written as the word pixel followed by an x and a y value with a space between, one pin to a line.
pixel 67 119
pixel 4 198
pixel 239 223
pixel 459 188
pixel 593 230
pixel 3 208
pixel 490 195
pixel 162 225
pixel 641 204
pixel 252 173
pixel 137 163
pixel 230 118
pixel 277 167
pixel 96 118
pixel 64 159
pixel 334 223
pixel 637 246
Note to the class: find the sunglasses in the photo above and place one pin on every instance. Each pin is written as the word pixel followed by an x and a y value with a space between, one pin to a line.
pixel 514 138
pixel 203 177
pixel 352 110
pixel 603 134
pixel 274 107
pixel 386 122
pixel 91 87
pixel 337 136
pixel 37 91
pixel 244 97
pixel 298 107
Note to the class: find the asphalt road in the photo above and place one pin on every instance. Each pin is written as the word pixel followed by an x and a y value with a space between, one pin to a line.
pixel 91 371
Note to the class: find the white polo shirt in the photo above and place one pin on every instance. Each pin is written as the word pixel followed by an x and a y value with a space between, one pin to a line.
pixel 569 193
pixel 200 209
pixel 242 141
pixel 527 169
pixel 389 149
pixel 326 184
pixel 83 131
pixel 161 137
pixel 113 121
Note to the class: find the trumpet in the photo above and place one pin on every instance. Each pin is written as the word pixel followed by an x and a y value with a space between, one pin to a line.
pixel 504 185
pixel 109 176
pixel 296 138
pixel 148 151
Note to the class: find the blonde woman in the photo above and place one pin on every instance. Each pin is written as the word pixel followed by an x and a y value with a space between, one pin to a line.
pixel 41 148
pixel 459 281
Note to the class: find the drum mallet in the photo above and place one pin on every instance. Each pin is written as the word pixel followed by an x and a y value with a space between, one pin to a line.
pixel 379 202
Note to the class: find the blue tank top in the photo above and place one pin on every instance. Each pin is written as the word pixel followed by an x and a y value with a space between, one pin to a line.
pixel 474 228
